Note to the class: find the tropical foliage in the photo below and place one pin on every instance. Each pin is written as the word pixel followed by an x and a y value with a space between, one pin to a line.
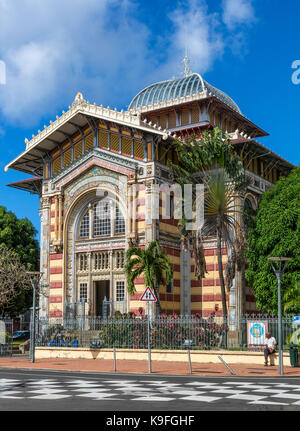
pixel 19 235
pixel 210 159
pixel 17 238
pixel 276 233
pixel 150 263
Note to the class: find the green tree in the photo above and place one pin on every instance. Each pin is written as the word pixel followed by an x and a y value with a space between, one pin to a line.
pixel 210 159
pixel 291 300
pixel 14 282
pixel 221 213
pixel 19 235
pixel 276 233
pixel 151 262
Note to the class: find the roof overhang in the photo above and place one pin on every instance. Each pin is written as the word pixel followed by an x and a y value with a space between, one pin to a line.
pixel 264 152
pixel 81 115
pixel 32 185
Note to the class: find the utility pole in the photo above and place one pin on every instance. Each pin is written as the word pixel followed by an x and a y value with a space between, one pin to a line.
pixel 35 281
pixel 279 270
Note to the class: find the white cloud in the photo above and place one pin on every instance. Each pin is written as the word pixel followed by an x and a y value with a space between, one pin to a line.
pixel 103 48
pixel 55 48
pixel 236 12
pixel 197 31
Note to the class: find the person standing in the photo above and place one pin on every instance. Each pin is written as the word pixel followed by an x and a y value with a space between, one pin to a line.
pixel 270 347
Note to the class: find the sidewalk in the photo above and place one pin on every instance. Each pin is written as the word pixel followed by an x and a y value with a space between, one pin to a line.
pixel 175 368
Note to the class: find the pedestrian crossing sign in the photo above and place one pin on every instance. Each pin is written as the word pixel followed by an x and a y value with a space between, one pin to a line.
pixel 148 295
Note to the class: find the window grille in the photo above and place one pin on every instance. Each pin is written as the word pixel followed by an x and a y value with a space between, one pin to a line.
pixel 195 115
pixel 89 142
pixel 85 226
pixel 77 150
pixel 102 219
pixel 120 222
pixel 114 142
pixel 103 139
pixel 67 157
pixel 120 291
pixel 56 165
pixel 83 292
pixel 126 146
pixel 138 149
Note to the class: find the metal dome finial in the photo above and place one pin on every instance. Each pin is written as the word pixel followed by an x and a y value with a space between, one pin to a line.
pixel 186 61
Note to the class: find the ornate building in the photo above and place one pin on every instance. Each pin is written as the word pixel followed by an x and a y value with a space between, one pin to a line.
pixel 95 171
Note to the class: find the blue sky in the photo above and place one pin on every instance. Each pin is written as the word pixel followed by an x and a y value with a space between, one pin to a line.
pixel 111 49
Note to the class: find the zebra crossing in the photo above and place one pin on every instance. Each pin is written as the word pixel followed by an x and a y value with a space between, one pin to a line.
pixel 151 390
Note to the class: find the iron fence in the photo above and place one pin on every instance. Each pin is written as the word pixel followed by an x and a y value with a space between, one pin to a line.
pixel 6 341
pixel 170 332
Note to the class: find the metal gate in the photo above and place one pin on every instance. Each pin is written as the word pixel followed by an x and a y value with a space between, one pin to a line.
pixel 6 341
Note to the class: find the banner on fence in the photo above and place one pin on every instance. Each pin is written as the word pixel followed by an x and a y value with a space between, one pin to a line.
pixel 296 320
pixel 256 334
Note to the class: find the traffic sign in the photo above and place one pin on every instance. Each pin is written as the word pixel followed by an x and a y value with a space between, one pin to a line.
pixel 148 295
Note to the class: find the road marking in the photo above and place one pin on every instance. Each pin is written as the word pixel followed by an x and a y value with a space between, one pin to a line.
pixel 154 398
pixel 293 396
pixel 268 402
pixel 97 395
pixel 228 391
pixel 47 391
pixel 271 391
pixel 50 397
pixel 201 398
pixel 246 397
pixel 187 392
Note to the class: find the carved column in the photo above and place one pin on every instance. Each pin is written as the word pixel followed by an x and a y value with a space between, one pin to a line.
pixel 45 205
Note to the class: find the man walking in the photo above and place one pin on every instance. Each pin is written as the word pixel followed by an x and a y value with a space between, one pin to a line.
pixel 270 347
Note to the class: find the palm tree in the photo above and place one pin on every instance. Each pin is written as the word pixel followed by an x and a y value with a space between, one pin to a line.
pixel 221 210
pixel 200 156
pixel 151 262
pixel 210 159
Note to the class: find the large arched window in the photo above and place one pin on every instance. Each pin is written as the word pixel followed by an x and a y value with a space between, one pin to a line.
pixel 103 218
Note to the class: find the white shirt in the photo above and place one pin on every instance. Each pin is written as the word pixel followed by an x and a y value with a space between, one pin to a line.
pixel 270 342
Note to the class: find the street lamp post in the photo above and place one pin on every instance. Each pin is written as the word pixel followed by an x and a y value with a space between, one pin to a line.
pixel 35 280
pixel 279 270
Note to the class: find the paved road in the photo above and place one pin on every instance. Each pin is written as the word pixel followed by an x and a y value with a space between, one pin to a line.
pixel 72 391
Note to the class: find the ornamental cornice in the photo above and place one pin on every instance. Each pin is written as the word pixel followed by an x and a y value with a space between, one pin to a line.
pixel 100 246
pixel 100 154
pixel 81 106
pixel 171 102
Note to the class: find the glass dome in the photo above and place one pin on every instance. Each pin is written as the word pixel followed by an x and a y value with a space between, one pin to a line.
pixel 176 88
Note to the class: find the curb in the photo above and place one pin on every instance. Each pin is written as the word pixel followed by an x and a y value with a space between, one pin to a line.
pixel 152 374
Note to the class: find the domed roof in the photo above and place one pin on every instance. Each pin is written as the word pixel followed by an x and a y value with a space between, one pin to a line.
pixel 180 87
